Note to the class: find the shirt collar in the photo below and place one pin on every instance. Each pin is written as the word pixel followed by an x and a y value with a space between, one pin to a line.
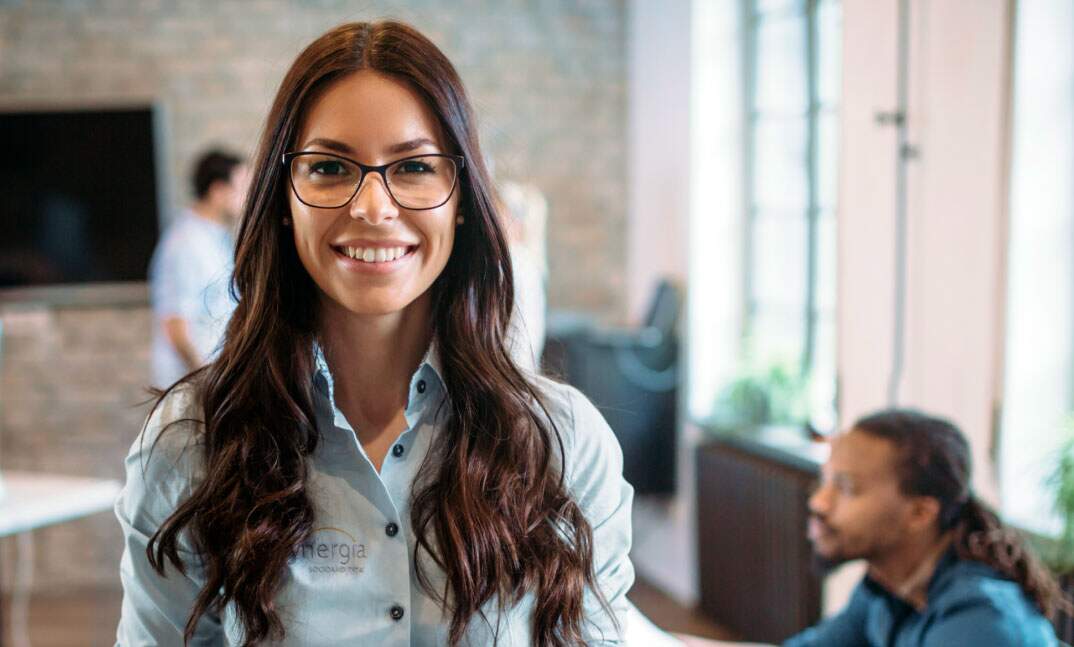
pixel 945 571
pixel 426 382
pixel 940 579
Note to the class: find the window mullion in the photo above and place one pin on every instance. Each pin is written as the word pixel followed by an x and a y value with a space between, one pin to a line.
pixel 749 110
pixel 812 208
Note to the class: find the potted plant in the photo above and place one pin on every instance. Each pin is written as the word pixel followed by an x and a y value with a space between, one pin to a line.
pixel 1059 554
pixel 772 394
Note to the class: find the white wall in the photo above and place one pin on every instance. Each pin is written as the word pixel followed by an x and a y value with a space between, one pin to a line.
pixel 866 207
pixel 658 127
pixel 959 93
pixel 659 72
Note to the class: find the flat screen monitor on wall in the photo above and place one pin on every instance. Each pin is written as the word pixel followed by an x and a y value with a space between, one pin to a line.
pixel 79 198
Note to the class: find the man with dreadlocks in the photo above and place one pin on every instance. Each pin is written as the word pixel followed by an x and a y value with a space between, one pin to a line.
pixel 943 570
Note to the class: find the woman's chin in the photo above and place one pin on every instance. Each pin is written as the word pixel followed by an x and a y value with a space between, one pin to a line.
pixel 367 308
pixel 372 302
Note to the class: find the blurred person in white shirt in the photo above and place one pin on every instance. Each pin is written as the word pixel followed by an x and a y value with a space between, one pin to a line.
pixel 190 272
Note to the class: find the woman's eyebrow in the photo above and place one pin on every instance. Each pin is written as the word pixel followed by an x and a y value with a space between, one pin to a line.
pixel 340 147
pixel 413 144
pixel 330 144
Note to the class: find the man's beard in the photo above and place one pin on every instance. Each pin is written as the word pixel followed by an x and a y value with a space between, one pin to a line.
pixel 823 565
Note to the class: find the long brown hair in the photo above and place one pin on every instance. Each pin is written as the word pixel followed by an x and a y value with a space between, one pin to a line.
pixel 934 461
pixel 493 511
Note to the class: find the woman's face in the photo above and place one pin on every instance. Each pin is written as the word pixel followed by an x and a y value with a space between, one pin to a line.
pixel 372 119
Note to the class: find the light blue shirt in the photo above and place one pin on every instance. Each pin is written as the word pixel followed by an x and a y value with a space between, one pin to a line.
pixel 189 277
pixel 342 584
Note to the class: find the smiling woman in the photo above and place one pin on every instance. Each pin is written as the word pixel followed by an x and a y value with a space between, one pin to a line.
pixel 364 388
pixel 340 206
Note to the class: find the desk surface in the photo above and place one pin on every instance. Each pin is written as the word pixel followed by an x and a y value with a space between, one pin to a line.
pixel 32 500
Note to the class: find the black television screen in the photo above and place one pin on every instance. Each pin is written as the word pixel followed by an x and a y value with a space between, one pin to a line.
pixel 80 196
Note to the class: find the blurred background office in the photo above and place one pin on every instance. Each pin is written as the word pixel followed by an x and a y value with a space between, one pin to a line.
pixel 753 220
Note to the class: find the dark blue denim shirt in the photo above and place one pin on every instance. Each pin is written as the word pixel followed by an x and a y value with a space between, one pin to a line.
pixel 969 605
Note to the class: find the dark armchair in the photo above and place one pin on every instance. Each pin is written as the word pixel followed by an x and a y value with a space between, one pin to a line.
pixel 632 376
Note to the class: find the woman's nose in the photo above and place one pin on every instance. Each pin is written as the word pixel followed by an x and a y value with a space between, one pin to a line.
pixel 373 203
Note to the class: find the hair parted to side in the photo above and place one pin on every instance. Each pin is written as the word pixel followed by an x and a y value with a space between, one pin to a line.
pixel 492 510
pixel 935 461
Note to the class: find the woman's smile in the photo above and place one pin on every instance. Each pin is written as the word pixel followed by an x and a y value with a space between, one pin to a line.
pixel 370 257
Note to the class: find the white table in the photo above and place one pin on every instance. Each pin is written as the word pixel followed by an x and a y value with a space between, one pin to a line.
pixel 33 500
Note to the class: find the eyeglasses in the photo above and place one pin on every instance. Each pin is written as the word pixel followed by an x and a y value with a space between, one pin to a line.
pixel 328 181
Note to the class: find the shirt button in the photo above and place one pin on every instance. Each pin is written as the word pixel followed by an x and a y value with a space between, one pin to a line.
pixel 421 386
pixel 397 612
pixel 397 451
pixel 391 529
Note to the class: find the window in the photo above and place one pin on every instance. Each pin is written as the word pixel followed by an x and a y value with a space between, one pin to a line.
pixel 1039 364
pixel 790 77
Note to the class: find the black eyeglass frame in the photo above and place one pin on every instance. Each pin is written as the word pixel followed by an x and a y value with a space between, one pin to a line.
pixel 460 164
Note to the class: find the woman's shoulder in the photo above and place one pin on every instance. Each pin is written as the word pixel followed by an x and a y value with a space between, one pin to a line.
pixel 164 462
pixel 586 435
pixel 563 402
pixel 172 430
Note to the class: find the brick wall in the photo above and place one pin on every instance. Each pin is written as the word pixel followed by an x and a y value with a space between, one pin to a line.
pixel 71 388
pixel 548 82
pixel 547 79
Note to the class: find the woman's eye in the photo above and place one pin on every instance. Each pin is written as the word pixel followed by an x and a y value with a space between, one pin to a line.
pixel 415 166
pixel 327 168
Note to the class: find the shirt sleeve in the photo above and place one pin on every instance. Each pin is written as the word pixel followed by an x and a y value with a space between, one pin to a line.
pixel 595 477
pixel 847 629
pixel 156 608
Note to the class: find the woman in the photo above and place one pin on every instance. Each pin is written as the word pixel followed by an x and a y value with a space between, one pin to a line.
pixel 364 463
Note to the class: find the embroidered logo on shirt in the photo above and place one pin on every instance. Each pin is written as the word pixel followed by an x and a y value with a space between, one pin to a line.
pixel 330 551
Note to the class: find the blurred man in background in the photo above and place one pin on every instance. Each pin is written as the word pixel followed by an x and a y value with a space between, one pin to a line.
pixel 943 570
pixel 191 269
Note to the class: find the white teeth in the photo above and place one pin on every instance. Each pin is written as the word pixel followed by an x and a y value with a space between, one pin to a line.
pixel 375 254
